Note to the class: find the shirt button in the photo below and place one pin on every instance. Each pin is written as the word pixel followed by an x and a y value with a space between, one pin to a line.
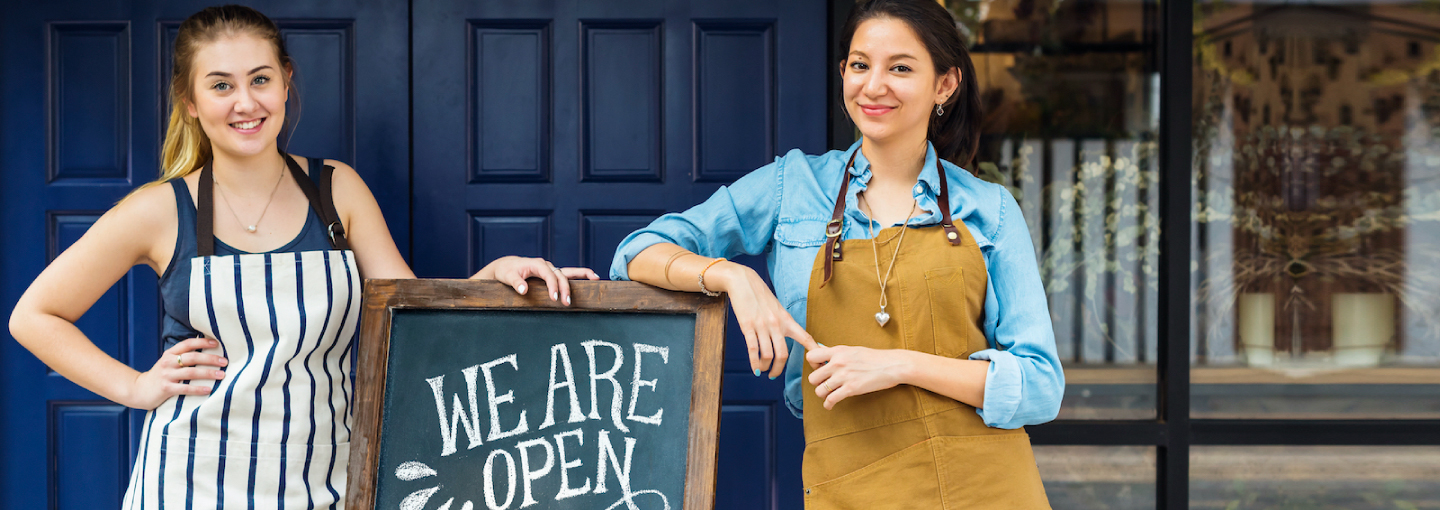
pixel 918 189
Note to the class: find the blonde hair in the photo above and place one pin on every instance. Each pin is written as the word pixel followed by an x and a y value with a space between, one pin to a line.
pixel 186 147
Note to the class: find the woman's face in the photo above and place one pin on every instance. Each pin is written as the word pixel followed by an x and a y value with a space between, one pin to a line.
pixel 239 95
pixel 890 84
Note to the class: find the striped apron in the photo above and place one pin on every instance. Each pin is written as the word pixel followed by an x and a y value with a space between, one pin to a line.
pixel 274 433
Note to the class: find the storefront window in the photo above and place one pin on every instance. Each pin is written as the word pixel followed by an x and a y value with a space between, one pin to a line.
pixel 1098 477
pixel 1314 477
pixel 1070 94
pixel 1316 255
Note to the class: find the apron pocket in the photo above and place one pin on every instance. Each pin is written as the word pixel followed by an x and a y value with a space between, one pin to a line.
pixel 905 479
pixel 948 303
pixel 990 472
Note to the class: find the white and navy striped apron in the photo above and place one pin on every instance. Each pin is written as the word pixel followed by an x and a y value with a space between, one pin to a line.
pixel 274 433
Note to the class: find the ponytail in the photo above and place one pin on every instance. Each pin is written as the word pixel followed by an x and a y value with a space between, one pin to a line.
pixel 186 147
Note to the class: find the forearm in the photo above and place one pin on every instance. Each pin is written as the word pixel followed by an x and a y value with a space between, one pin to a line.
pixel 64 348
pixel 960 379
pixel 683 271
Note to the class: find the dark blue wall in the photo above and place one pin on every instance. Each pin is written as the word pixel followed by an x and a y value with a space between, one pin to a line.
pixel 483 128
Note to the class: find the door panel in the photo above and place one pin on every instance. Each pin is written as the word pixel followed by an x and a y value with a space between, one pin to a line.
pixel 557 128
pixel 82 117
pixel 541 129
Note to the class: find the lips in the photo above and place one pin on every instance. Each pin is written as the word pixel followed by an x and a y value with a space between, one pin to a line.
pixel 874 110
pixel 249 126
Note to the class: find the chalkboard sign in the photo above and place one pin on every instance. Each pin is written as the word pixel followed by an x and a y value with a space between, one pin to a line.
pixel 469 396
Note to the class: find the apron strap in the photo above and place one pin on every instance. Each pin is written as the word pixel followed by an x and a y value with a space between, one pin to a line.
pixel 205 213
pixel 837 222
pixel 322 200
pixel 834 228
pixel 947 222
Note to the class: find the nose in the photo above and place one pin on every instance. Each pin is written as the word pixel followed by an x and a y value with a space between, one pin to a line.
pixel 244 102
pixel 875 85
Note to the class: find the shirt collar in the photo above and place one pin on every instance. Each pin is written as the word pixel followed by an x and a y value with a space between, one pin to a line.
pixel 925 190
pixel 929 177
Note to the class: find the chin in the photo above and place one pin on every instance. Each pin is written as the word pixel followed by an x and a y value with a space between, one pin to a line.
pixel 245 148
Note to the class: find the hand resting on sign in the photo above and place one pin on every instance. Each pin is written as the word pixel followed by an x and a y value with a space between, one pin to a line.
pixel 513 271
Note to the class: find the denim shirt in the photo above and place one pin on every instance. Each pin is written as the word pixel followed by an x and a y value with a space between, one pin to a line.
pixel 781 210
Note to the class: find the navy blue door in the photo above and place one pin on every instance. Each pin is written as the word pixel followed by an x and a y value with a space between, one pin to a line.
pixel 556 128
pixel 540 128
pixel 81 120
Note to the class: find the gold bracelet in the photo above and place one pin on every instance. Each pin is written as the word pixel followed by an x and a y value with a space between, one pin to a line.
pixel 701 277
pixel 674 256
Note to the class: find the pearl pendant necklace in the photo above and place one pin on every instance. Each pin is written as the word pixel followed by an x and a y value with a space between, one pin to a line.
pixel 251 228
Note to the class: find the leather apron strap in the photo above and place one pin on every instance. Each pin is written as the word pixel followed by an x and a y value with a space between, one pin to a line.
pixel 835 227
pixel 321 199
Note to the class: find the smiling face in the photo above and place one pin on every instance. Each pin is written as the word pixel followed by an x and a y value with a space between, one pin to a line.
pixel 890 83
pixel 239 94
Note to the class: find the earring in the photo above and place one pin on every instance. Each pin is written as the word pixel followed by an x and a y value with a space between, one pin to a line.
pixel 939 110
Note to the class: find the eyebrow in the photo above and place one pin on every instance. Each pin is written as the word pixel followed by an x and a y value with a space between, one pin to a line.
pixel 892 57
pixel 227 75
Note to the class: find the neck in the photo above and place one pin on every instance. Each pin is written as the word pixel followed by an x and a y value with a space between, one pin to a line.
pixel 248 174
pixel 894 162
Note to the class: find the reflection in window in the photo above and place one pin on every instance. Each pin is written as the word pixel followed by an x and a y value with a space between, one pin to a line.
pixel 1314 477
pixel 1098 477
pixel 1070 94
pixel 1317 179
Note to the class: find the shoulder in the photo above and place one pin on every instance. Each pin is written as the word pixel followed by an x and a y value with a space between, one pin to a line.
pixel 143 223
pixel 983 205
pixel 147 208
pixel 815 166
pixel 809 182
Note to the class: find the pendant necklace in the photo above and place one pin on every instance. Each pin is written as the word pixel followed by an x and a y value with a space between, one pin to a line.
pixel 883 317
pixel 251 227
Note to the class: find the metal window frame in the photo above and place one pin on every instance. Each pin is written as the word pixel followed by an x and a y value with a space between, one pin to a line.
pixel 1173 432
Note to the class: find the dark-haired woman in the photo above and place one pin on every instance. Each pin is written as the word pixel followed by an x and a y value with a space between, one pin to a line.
pixel 926 331
pixel 260 276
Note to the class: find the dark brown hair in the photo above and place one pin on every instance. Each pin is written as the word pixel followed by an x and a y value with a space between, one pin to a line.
pixel 956 134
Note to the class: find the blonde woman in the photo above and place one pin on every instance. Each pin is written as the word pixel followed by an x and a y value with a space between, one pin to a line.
pixel 260 256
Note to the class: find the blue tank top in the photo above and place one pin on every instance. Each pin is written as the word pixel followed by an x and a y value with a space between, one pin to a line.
pixel 175 282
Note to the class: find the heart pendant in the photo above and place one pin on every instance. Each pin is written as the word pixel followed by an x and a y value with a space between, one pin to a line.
pixel 882 318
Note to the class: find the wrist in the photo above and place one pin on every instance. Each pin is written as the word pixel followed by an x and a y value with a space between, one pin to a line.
pixel 723 277
pixel 125 392
pixel 909 367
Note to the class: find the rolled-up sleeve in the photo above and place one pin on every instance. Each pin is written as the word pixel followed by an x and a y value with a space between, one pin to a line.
pixel 1025 382
pixel 737 219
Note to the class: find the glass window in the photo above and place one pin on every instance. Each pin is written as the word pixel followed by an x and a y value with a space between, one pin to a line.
pixel 1314 477
pixel 1070 94
pixel 1317 181
pixel 1098 477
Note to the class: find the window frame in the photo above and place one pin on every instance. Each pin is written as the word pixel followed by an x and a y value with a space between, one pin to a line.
pixel 1172 432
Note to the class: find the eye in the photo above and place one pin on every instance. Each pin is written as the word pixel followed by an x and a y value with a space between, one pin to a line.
pixel 221 86
pixel 260 80
pixel 901 68
pixel 859 66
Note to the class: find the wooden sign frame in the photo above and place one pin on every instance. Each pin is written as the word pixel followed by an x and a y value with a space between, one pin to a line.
pixel 382 297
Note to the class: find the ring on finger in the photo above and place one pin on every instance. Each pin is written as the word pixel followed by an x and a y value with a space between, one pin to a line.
pixel 556 269
pixel 825 386
pixel 180 360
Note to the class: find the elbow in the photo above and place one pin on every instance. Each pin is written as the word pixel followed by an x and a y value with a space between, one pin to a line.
pixel 19 320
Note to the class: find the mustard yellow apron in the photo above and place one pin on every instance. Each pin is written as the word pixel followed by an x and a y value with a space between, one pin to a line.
pixel 907 447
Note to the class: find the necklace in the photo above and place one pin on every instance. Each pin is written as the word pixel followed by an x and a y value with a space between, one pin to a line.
pixel 251 227
pixel 883 317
